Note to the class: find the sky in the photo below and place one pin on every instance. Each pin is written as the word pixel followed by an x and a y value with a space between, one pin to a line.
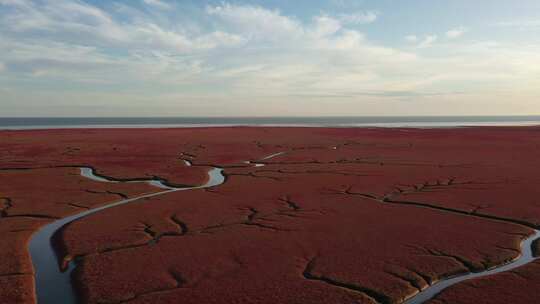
pixel 269 58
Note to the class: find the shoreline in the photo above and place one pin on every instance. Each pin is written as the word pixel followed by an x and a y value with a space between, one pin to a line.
pixel 32 123
pixel 419 126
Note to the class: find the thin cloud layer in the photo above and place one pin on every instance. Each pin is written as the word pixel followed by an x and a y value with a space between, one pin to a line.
pixel 158 4
pixel 234 57
pixel 456 33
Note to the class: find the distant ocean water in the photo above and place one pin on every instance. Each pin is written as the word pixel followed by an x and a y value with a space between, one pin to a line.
pixel 171 122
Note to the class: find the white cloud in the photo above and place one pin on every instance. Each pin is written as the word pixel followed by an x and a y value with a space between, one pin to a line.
pixel 347 4
pixel 78 22
pixel 428 41
pixel 16 3
pixel 244 53
pixel 456 33
pixel 219 39
pixel 2 67
pixel 325 26
pixel 411 38
pixel 349 40
pixel 257 22
pixel 359 17
pixel 521 24
pixel 158 4
pixel 61 17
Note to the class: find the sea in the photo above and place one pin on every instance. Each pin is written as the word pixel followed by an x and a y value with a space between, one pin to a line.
pixel 29 123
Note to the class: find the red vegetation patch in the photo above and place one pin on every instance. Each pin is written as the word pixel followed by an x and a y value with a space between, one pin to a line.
pixel 517 286
pixel 17 288
pixel 343 216
pixel 30 199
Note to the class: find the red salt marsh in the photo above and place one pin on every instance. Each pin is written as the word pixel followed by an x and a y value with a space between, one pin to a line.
pixel 343 216
pixel 516 286
pixel 29 199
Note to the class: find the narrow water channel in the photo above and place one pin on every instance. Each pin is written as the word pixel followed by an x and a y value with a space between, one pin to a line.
pixel 526 257
pixel 53 284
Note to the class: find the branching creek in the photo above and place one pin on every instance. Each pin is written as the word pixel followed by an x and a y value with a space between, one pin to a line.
pixel 53 277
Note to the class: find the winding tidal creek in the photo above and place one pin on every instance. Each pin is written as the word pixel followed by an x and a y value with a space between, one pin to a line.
pixel 53 277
